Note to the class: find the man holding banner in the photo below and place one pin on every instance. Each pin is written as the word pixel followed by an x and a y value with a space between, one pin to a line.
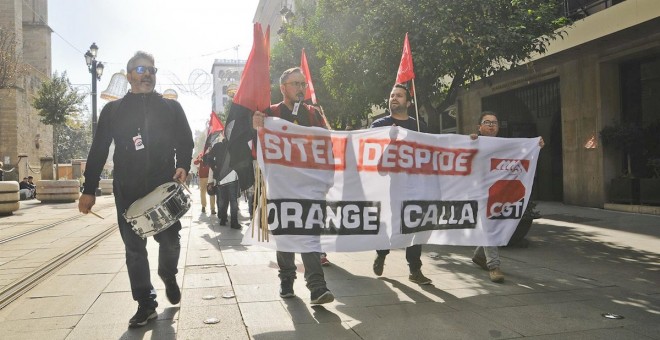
pixel 293 85
pixel 400 100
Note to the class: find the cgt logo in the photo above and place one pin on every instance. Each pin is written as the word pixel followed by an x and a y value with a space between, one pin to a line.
pixel 506 199
pixel 511 165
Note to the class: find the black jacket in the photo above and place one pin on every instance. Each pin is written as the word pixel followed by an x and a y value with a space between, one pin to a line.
pixel 410 123
pixel 166 137
pixel 218 159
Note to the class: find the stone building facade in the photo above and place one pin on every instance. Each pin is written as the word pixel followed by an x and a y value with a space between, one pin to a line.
pixel 226 78
pixel 605 71
pixel 23 138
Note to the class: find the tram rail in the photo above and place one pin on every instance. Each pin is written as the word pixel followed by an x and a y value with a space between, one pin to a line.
pixel 48 226
pixel 19 287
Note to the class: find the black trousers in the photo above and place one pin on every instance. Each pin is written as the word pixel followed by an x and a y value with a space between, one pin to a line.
pixel 413 256
pixel 137 261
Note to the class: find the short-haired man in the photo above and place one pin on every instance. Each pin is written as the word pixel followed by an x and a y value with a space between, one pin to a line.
pixel 293 85
pixel 153 146
pixel 399 101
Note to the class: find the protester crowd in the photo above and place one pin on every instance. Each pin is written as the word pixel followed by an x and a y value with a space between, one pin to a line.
pixel 153 148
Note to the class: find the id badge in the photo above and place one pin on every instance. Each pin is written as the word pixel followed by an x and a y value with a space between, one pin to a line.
pixel 137 141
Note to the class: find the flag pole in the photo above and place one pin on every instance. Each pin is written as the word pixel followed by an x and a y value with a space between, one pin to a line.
pixel 416 111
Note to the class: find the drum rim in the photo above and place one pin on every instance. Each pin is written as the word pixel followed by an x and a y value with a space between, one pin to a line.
pixel 174 192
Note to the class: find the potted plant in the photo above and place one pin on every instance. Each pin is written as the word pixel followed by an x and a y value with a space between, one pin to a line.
pixel 649 191
pixel 518 237
pixel 627 137
pixel 649 188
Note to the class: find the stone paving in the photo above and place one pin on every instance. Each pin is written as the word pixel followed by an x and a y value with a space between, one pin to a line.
pixel 580 264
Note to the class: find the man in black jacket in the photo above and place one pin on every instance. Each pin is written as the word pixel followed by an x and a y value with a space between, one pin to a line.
pixel 153 145
pixel 399 102
pixel 226 181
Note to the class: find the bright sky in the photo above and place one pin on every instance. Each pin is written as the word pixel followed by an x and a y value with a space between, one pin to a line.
pixel 183 36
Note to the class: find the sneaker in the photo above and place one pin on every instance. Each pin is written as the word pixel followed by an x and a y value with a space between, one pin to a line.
pixel 480 261
pixel 212 212
pixel 379 264
pixel 172 290
pixel 203 210
pixel 321 296
pixel 142 316
pixel 496 275
pixel 419 278
pixel 286 288
pixel 324 260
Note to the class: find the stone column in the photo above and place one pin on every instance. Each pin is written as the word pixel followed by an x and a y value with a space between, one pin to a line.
pixel 46 168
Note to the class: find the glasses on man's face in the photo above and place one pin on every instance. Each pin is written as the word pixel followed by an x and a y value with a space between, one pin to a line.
pixel 297 84
pixel 144 69
pixel 490 123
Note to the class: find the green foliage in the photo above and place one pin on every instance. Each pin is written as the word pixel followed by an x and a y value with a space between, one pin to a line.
pixel 356 46
pixel 625 136
pixel 10 66
pixel 73 139
pixel 57 103
pixel 56 100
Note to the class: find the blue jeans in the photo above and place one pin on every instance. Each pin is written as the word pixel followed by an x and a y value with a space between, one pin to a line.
pixel 227 196
pixel 137 261
pixel 313 270
pixel 413 256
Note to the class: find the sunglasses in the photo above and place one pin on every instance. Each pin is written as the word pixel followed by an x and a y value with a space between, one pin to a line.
pixel 144 69
pixel 297 84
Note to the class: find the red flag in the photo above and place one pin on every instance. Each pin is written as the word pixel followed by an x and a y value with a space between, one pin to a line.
pixel 309 94
pixel 406 71
pixel 213 131
pixel 254 89
pixel 253 94
pixel 214 124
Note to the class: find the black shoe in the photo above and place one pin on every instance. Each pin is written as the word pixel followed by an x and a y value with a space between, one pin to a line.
pixel 142 316
pixel 172 290
pixel 223 221
pixel 203 210
pixel 286 288
pixel 379 264
pixel 419 278
pixel 321 296
pixel 236 225
pixel 480 261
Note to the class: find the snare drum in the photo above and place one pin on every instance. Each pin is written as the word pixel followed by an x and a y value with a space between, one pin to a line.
pixel 158 210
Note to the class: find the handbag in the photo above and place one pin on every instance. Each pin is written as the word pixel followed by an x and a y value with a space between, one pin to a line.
pixel 211 189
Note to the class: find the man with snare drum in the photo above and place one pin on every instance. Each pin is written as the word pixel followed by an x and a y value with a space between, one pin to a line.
pixel 153 146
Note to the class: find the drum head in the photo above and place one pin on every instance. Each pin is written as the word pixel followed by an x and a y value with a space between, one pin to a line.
pixel 153 199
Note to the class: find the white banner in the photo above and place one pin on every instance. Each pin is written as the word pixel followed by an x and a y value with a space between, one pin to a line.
pixel 390 187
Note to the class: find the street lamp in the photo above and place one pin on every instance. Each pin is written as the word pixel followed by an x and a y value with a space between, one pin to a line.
pixel 96 69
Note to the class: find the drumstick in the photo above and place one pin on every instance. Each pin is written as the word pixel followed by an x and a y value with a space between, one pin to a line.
pixel 97 215
pixel 184 186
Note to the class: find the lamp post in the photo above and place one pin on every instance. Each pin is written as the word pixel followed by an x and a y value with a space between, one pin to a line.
pixel 96 69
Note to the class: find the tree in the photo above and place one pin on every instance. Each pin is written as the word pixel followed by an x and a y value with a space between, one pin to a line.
pixel 359 44
pixel 10 65
pixel 74 138
pixel 57 102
